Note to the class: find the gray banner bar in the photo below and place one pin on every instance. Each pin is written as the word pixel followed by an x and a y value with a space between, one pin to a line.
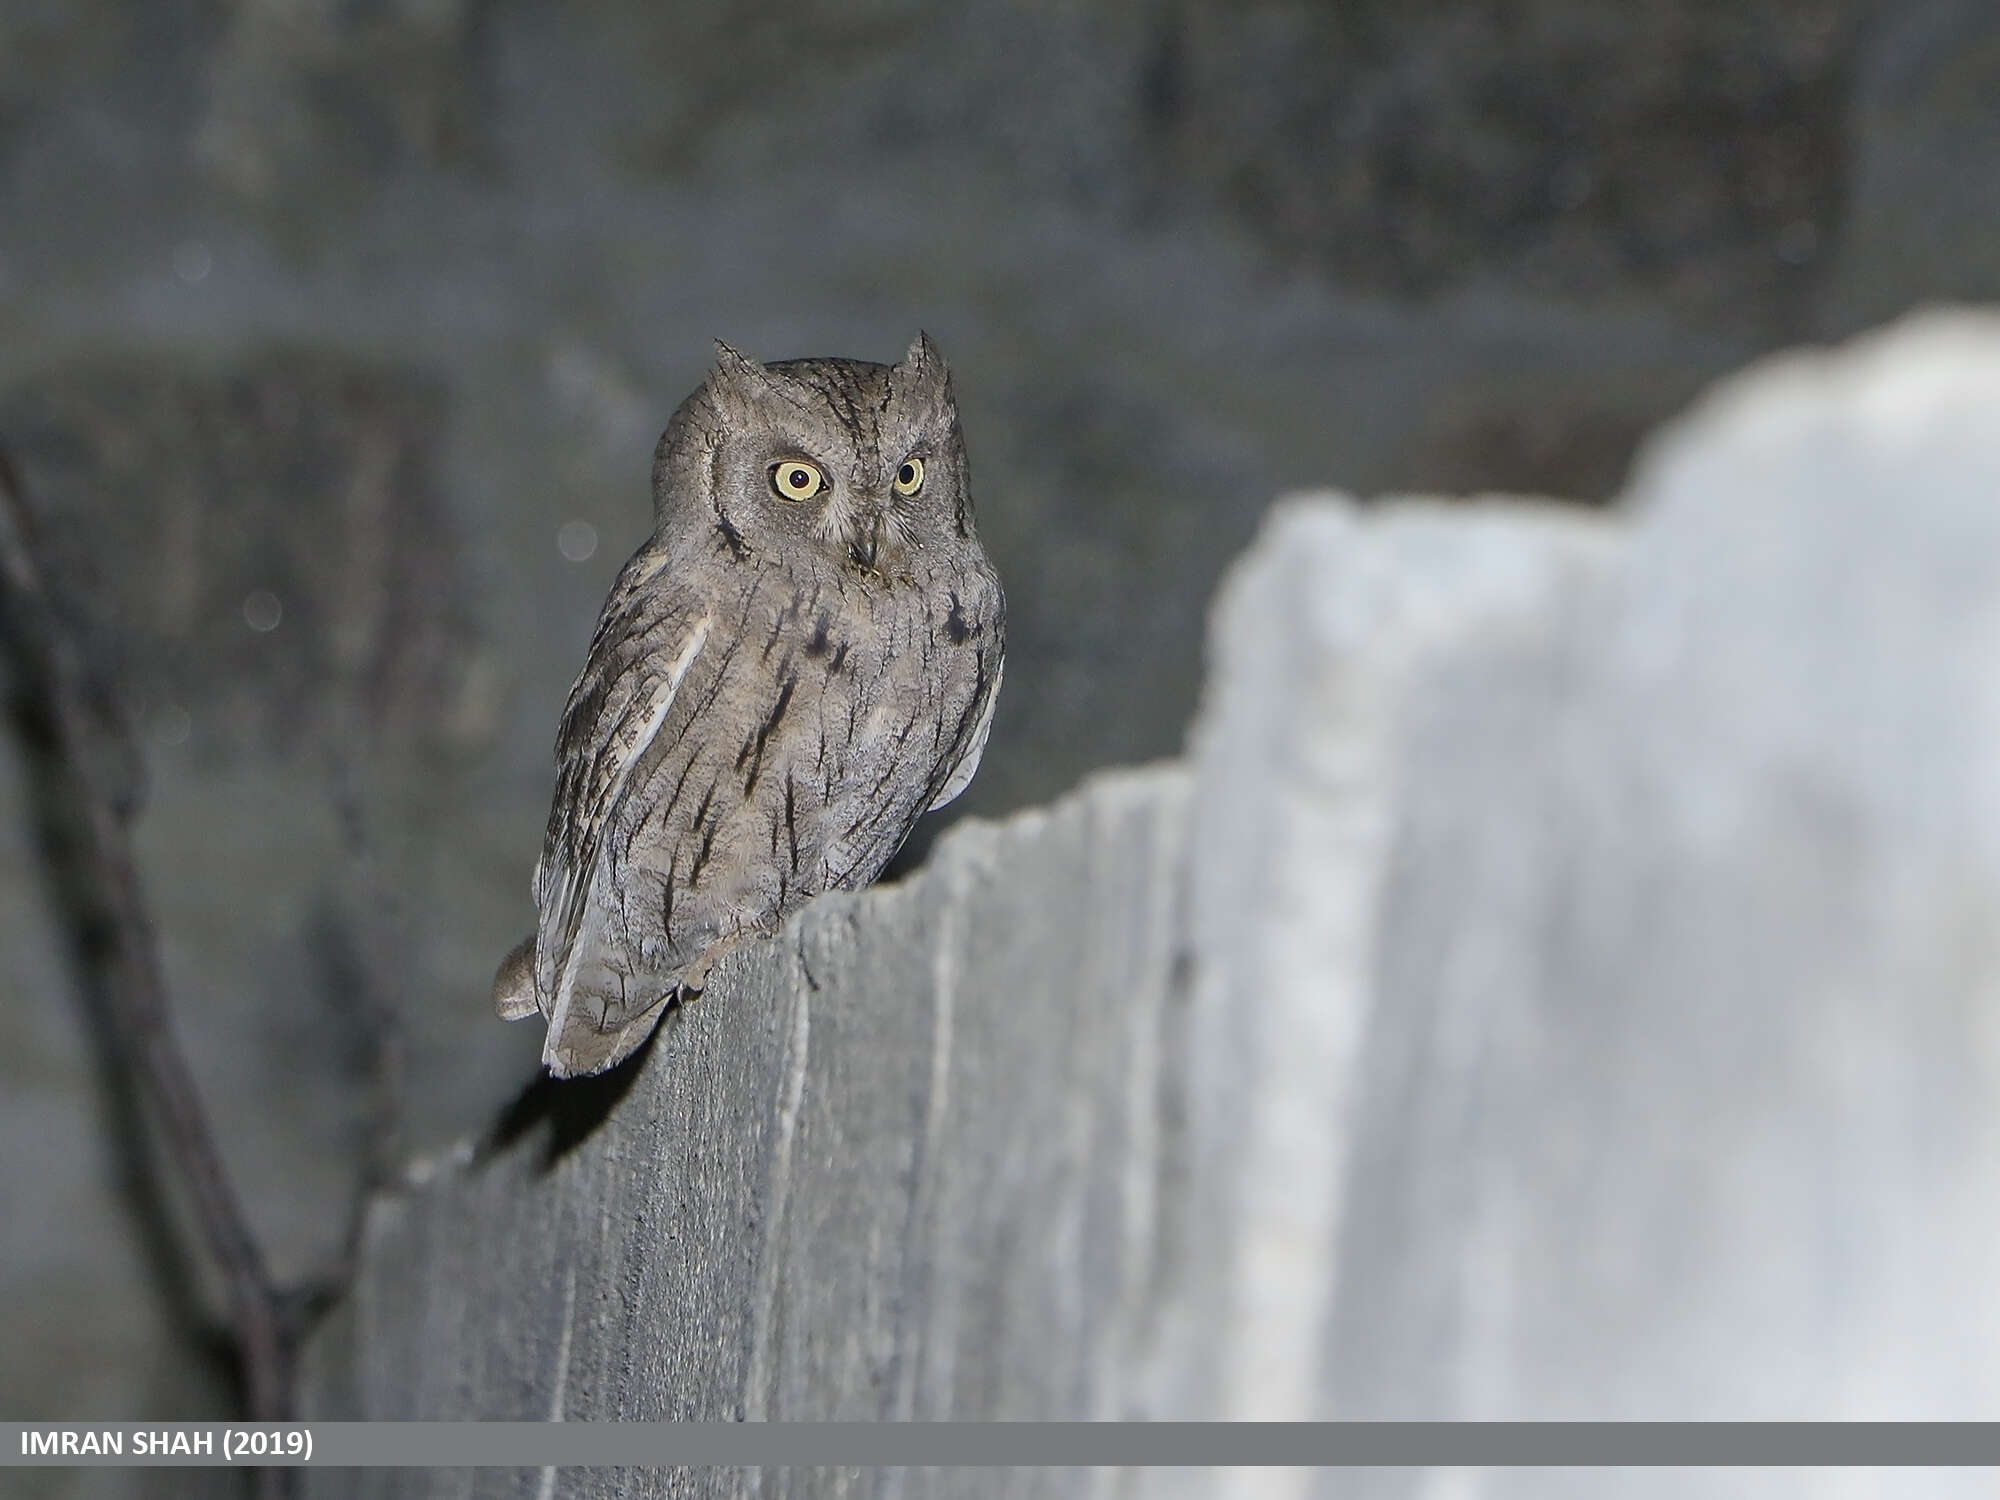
pixel 983 1444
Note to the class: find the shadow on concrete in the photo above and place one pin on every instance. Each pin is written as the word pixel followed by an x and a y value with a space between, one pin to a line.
pixel 572 1108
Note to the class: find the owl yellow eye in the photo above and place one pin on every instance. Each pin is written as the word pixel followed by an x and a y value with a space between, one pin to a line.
pixel 795 479
pixel 910 477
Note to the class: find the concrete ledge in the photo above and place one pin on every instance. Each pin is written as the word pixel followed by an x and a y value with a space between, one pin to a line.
pixel 1558 983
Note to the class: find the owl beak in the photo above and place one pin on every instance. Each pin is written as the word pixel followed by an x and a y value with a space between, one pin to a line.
pixel 864 548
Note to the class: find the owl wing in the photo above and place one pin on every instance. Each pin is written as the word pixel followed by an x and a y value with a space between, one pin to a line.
pixel 647 641
pixel 971 747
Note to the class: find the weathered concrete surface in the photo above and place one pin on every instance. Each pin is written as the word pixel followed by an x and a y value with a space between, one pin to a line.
pixel 1320 635
pixel 796 1209
pixel 1559 983
pixel 1681 1098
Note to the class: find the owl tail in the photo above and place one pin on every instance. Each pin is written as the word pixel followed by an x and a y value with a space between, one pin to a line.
pixel 574 1049
pixel 514 982
pixel 576 1045
pixel 601 1006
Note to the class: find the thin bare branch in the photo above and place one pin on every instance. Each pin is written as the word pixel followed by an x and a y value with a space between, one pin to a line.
pixel 52 678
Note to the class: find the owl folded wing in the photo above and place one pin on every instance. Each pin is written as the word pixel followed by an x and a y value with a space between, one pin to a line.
pixel 616 712
pixel 971 746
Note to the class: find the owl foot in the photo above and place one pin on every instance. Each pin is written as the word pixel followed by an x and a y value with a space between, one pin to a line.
pixel 694 978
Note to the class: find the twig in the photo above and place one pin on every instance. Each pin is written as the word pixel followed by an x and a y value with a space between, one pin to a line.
pixel 49 664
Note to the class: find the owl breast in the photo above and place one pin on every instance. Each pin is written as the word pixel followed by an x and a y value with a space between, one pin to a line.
pixel 830 721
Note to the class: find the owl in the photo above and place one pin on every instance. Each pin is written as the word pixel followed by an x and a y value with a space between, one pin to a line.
pixel 799 662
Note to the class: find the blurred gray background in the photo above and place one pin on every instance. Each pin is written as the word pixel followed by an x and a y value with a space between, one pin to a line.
pixel 335 336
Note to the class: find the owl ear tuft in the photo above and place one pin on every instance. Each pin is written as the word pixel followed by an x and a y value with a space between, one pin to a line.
pixel 733 364
pixel 922 356
pixel 921 374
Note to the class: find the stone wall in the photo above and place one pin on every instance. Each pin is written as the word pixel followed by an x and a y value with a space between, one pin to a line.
pixel 1557 983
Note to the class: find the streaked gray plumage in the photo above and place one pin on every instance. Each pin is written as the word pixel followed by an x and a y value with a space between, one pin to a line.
pixel 782 681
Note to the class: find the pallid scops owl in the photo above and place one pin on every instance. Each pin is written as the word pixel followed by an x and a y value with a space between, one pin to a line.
pixel 800 661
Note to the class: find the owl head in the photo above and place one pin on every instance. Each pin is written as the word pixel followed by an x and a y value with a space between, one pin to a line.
pixel 859 465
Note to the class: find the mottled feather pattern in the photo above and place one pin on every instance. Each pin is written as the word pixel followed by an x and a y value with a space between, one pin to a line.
pixel 776 691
